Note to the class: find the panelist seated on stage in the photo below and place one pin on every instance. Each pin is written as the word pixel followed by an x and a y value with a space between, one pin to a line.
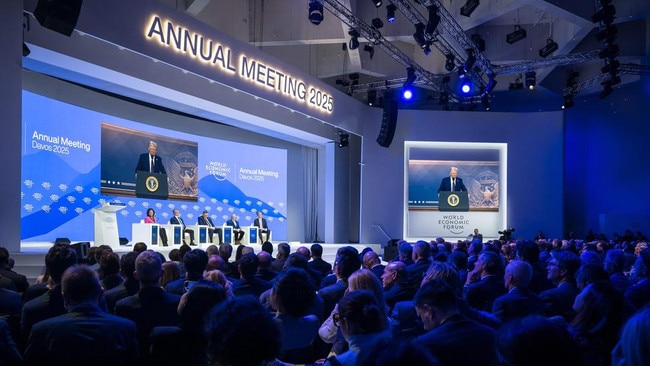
pixel 150 162
pixel 452 182
pixel 151 219
pixel 263 230
pixel 237 231
pixel 178 220
pixel 205 220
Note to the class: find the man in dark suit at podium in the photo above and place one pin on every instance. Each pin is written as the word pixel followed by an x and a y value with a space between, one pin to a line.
pixel 204 219
pixel 452 183
pixel 178 220
pixel 150 162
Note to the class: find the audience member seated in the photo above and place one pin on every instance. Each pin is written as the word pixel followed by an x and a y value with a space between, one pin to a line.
pixel 372 262
pixel 86 334
pixel 347 261
pixel 404 353
pixel 20 281
pixel 639 293
pixel 590 273
pixel 421 261
pixel 171 273
pixel 225 252
pixel 599 316
pixel 151 306
pixel 267 246
pixel 633 348
pixel 109 270
pixel 317 263
pixel 129 287
pixel 186 344
pixel 195 262
pixel 405 253
pixel 452 338
pixel 264 271
pixel 395 283
pixel 283 253
pixel 291 296
pixel 219 277
pixel 520 301
pixel 248 284
pixel 362 320
pixel 484 283
pixel 58 258
pixel 300 261
pixel 528 251
pixel 458 260
pixel 615 266
pixel 10 354
pixel 139 247
pixel 561 271
pixel 242 333
pixel 535 341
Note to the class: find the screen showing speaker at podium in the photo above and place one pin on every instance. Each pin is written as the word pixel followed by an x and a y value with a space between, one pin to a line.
pixel 75 159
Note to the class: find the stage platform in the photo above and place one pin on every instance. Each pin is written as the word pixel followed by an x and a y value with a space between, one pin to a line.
pixel 31 259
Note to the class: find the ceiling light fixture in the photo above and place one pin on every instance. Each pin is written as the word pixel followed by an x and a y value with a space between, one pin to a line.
pixel 354 39
pixel 550 47
pixel 517 35
pixel 377 3
pixel 434 20
pixel 315 12
pixel 390 13
pixel 469 7
pixel 531 80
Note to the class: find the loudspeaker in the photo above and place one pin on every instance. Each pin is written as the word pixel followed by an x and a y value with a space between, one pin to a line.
pixel 58 15
pixel 124 241
pixel 62 241
pixel 388 123
pixel 82 251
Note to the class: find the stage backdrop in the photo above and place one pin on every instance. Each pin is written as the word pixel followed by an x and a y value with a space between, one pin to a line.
pixel 73 157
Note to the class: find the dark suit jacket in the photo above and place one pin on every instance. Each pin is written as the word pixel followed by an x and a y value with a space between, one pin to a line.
pixel 234 224
pixel 10 302
pixel 398 292
pixel 174 346
pixel 480 295
pixel 149 308
pixel 143 164
pixel 416 271
pixel 559 300
pixel 175 221
pixel 331 296
pixel 8 348
pixel 445 185
pixel 460 342
pixel 203 221
pixel 85 335
pixel 253 286
pixel 256 223
pixel 518 303
pixel 112 296
pixel 19 280
pixel 378 270
pixel 639 293
pixel 46 306
pixel 321 266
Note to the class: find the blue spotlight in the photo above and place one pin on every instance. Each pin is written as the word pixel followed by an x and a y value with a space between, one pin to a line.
pixel 466 85
pixel 407 93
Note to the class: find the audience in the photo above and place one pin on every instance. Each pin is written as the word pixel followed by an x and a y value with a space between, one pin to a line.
pixel 485 282
pixel 129 287
pixel 633 348
pixel 248 284
pixel 317 263
pixel 561 271
pixel 6 271
pixel 520 301
pixel 86 334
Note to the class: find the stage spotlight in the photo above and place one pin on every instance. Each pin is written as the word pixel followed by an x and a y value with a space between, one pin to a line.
pixel 466 86
pixel 531 80
pixel 550 47
pixel 418 36
pixel 434 20
pixel 516 85
pixel 371 97
pixel 517 35
pixel 479 42
pixel 469 7
pixel 315 12
pixel 377 3
pixel 377 23
pixel 407 88
pixel 354 39
pixel 390 13
pixel 370 49
pixel 344 139
pixel 568 101
pixel 450 64
pixel 407 93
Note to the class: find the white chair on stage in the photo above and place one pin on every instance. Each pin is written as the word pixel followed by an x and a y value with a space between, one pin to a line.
pixel 146 233
pixel 175 234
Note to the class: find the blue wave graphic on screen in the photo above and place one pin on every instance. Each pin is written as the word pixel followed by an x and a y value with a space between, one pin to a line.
pixel 49 203
pixel 225 190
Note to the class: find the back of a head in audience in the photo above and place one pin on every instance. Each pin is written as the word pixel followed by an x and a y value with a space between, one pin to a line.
pixel 215 262
pixel 283 251
pixel 316 250
pixel 80 284
pixel 265 259
pixel 148 268
pixel 197 302
pixel 364 279
pixel 304 251
pixel 109 264
pixel 292 292
pixel 236 325
pixel 536 341
pixel 248 265
pixel 175 255
pixel 518 274
pixel 296 260
pixel 615 261
pixel 347 261
pixel 360 313
pixel 267 246
pixel 195 262
pixel 434 302
pixel 444 272
pixel 590 273
pixel 127 265
pixel 225 251
pixel 633 348
pixel 58 258
pixel 139 247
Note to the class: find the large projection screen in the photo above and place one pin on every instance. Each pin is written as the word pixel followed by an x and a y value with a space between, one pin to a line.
pixel 483 168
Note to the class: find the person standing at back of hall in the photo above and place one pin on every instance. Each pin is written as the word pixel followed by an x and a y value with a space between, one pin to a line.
pixel 452 183
pixel 149 161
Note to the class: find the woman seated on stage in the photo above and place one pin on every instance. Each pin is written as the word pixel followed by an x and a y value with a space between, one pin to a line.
pixel 151 219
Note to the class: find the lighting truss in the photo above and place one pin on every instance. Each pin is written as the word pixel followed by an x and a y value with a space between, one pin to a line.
pixel 560 60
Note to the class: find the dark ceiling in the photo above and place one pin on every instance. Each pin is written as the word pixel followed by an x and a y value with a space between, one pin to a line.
pixel 281 28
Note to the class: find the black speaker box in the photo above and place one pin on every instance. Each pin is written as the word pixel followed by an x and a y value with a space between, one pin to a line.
pixel 124 241
pixel 58 15
pixel 82 251
pixel 388 123
pixel 62 241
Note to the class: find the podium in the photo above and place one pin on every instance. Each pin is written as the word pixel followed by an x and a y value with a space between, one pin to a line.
pixel 453 201
pixel 151 185
pixel 105 224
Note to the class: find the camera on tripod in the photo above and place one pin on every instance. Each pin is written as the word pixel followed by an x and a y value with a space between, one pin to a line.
pixel 506 234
